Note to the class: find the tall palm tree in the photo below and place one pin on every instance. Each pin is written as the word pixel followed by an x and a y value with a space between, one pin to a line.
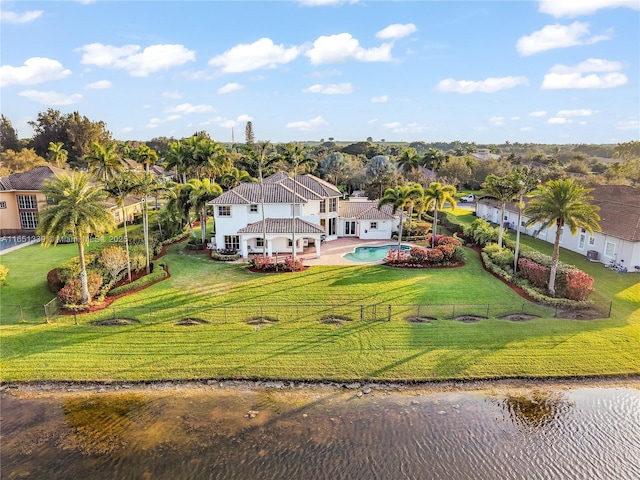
pixel 524 181
pixel 409 160
pixel 258 157
pixel 77 208
pixel 119 188
pixel 562 202
pixel 145 155
pixel 57 154
pixel 235 177
pixel 436 196
pixel 295 155
pixel 399 198
pixel 503 191
pixel 146 185
pixel 435 159
pixel 177 158
pixel 104 161
pixel 201 192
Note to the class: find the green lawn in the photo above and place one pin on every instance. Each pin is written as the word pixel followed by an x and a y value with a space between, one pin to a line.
pixel 298 345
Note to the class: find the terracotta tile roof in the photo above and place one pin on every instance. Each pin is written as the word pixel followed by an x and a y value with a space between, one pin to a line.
pixel 619 210
pixel 283 225
pixel 319 186
pixel 364 211
pixel 249 193
pixel 31 180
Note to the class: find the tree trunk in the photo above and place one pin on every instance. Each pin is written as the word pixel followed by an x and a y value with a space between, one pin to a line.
pixel 83 270
pixel 501 229
pixel 515 257
pixel 554 261
pixel 400 235
pixel 435 225
pixel 203 225
pixel 126 244
pixel 145 231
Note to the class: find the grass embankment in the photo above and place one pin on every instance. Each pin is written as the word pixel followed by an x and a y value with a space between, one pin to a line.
pixel 301 347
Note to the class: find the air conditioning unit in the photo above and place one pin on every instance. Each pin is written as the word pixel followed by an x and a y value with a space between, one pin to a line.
pixel 592 255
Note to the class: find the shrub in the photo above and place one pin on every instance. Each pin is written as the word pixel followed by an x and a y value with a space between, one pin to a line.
pixel 71 293
pixel 579 285
pixel 418 255
pixel 503 257
pixel 225 258
pixel 537 274
pixel 268 264
pixel 141 282
pixel 138 261
pixel 447 240
pixel 114 259
pixel 53 281
pixel 4 271
pixel 294 265
pixel 434 256
pixel 447 251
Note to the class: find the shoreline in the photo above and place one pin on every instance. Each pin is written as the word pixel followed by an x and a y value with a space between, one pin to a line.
pixel 239 385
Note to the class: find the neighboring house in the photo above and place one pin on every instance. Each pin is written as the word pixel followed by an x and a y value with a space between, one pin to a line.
pixel 21 200
pixel 618 241
pixel 314 203
pixel 484 154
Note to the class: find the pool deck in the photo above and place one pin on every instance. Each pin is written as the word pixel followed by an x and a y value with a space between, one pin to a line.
pixel 331 252
pixel 18 246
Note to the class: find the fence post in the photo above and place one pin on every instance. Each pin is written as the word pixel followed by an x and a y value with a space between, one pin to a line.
pixel 453 311
pixel 22 314
pixel 610 307
pixel 389 314
pixel 361 313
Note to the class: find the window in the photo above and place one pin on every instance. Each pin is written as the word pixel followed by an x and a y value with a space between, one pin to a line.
pixel 609 249
pixel 581 240
pixel 224 211
pixel 506 217
pixel 232 242
pixel 373 225
pixel 259 242
pixel 252 209
pixel 28 220
pixel 323 206
pixel 523 223
pixel 333 204
pixel 332 226
pixel 3 204
pixel 289 243
pixel 592 241
pixel 50 201
pixel 27 202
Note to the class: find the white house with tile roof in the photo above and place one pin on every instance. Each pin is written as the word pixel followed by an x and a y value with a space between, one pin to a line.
pixel 618 241
pixel 313 203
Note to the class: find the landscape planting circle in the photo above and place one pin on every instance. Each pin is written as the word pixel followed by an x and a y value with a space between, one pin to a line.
pixel 190 321
pixel 580 314
pixel 261 321
pixel 114 321
pixel 420 319
pixel 518 317
pixel 469 318
pixel 336 320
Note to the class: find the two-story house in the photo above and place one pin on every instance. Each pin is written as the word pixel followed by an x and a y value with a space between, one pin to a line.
pixel 306 208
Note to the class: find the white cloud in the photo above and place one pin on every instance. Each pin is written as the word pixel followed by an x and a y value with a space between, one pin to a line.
pixel 230 87
pixel 538 113
pixel 582 112
pixel 490 85
pixel 99 85
pixel 392 125
pixel 398 127
pixel 573 8
pixel 343 47
pixel 155 122
pixel 331 89
pixel 557 36
pixel 308 125
pixel 497 121
pixel 26 17
pixel 172 95
pixel 138 63
pixel 380 99
pixel 558 120
pixel 187 108
pixel 628 125
pixel 35 70
pixel 397 30
pixel 262 53
pixel 554 81
pixel 570 77
pixel 51 98
pixel 230 123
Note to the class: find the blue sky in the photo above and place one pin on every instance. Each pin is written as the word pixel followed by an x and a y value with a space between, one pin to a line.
pixel 545 71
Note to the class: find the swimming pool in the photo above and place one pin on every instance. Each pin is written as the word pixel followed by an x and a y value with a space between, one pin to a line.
pixel 371 254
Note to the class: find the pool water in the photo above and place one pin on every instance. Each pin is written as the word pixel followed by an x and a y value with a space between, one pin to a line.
pixel 372 254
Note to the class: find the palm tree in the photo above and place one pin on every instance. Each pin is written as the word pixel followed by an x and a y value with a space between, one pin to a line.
pixel 120 187
pixel 258 158
pixel 145 155
pixel 177 158
pixel 400 198
pixel 76 208
pixel 295 155
pixel 235 177
pixel 523 181
pixel 201 192
pixel 57 154
pixel 503 191
pixel 436 196
pixel 434 159
pixel 562 202
pixel 104 161
pixel 146 185
pixel 409 160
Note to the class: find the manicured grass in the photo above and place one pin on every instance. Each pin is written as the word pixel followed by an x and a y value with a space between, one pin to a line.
pixel 299 346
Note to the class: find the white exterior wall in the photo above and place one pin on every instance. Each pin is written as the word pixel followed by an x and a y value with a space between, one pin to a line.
pixel 382 232
pixel 622 251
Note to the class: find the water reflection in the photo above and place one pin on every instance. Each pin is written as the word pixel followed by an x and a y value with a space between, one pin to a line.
pixel 322 433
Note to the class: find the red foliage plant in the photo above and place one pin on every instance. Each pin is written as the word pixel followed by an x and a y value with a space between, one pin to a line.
pixel 447 249
pixel 537 274
pixel 579 285
pixel 71 293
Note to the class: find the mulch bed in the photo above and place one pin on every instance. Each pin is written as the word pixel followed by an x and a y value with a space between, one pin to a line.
pixel 518 317
pixel 469 318
pixel 335 320
pixel 114 321
pixel 189 321
pixel 515 288
pixel 420 319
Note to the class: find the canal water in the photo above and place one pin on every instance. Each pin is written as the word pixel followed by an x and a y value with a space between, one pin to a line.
pixel 214 432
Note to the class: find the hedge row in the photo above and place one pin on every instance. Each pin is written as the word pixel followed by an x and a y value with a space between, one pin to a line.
pixel 141 282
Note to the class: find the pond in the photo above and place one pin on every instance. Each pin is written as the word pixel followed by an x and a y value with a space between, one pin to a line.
pixel 216 432
pixel 372 253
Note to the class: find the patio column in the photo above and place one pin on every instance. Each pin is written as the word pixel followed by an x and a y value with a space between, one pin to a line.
pixel 244 248
pixel 269 247
pixel 318 242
